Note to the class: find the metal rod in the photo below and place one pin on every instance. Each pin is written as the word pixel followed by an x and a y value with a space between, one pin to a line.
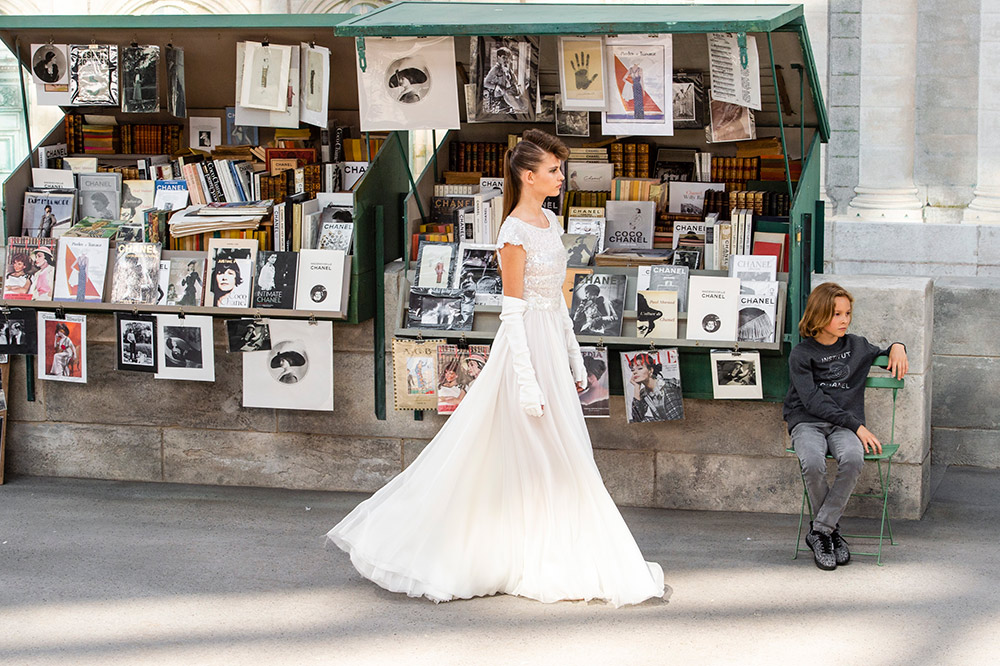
pixel 379 323
pixel 781 122
pixel 24 94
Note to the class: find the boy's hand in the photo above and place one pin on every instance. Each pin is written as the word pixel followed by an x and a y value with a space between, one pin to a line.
pixel 898 364
pixel 869 441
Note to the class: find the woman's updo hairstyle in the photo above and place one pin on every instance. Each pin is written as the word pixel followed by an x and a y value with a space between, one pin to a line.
pixel 527 155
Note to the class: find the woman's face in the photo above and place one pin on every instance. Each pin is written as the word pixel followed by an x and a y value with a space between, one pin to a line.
pixel 18 266
pixel 450 376
pixel 547 178
pixel 226 279
pixel 640 372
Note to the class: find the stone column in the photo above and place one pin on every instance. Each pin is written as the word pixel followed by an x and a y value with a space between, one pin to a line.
pixel 985 205
pixel 885 190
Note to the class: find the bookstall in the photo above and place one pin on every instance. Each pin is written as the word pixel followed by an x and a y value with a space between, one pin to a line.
pixel 791 117
pixel 209 45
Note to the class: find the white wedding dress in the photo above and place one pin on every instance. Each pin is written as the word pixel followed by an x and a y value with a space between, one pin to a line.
pixel 500 501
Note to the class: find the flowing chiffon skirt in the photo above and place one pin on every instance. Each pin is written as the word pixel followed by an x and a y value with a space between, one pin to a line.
pixel 503 502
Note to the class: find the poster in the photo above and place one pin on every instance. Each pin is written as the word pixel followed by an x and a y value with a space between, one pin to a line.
pixel 297 372
pixel 640 75
pixel 265 76
pixel 505 79
pixel 62 347
pixel 93 75
pixel 735 74
pixel 314 85
pixel 581 73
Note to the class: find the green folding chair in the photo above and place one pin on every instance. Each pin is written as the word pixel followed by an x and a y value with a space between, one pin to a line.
pixel 888 451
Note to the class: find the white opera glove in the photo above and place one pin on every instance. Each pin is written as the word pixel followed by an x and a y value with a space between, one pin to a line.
pixel 530 394
pixel 573 347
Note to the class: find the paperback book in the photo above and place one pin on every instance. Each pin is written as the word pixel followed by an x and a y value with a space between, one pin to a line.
pixel 656 314
pixel 186 281
pixel 757 310
pixel 598 304
pixel 665 278
pixel 136 274
pixel 275 283
pixel 323 280
pixel 712 308
pixel 80 269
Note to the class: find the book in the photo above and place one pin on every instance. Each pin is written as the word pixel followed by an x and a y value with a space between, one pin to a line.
pixel 630 257
pixel 436 263
pixel 323 277
pixel 136 273
pixel 589 176
pixel 569 284
pixel 593 226
pixel 753 268
pixel 50 158
pixel 47 214
pixel 598 304
pixel 580 248
pixel 92 227
pixel 30 271
pixel 712 307
pixel 652 382
pixel 100 195
pixel 163 281
pixel 274 286
pixel 186 281
pixel 689 198
pixel 231 263
pixel 52 178
pixel 656 314
pixel 757 311
pixel 440 309
pixel 137 196
pixel 81 264
pixel 227 208
pixel 170 194
pixel 629 224
pixel 351 173
pixel 479 270
pixel 334 228
pixel 774 244
pixel 665 278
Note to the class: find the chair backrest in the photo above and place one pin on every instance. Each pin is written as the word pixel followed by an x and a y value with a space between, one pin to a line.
pixel 881 381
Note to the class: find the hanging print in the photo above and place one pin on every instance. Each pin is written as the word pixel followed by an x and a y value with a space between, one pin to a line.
pixel 639 71
pixel 49 64
pixel 62 346
pixel 93 75
pixel 652 382
pixel 581 73
pixel 315 84
pixel 407 83
pixel 140 82
pixel 505 72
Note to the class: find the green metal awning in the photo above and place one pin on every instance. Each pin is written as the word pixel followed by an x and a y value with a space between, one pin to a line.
pixel 469 18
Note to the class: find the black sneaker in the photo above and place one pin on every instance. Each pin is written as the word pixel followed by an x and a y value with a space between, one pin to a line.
pixel 822 548
pixel 840 550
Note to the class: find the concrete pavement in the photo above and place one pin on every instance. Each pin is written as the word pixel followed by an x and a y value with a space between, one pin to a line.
pixel 98 572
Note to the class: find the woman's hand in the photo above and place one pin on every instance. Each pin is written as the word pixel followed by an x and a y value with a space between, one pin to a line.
pixel 579 387
pixel 869 441
pixel 898 364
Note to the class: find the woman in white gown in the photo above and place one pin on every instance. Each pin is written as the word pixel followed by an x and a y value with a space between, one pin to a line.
pixel 507 498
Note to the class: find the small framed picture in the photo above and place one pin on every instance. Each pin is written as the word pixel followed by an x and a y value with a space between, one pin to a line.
pixel 205 133
pixel 571 123
pixel 580 247
pixel 435 264
pixel 62 347
pixel 185 349
pixel 248 335
pixel 136 342
pixel 18 331
pixel 441 309
pixel 581 73
pixel 736 375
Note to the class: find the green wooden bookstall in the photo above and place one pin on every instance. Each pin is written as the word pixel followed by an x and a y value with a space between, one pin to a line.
pixel 800 123
pixel 209 42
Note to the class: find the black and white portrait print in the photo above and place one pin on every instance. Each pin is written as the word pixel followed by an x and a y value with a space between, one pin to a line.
pixel 140 84
pixel 136 342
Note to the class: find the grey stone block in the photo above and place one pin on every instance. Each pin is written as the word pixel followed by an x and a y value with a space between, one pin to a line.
pixel 630 476
pixel 905 242
pixel 18 407
pixel 845 7
pixel 902 268
pixel 413 448
pixel 845 144
pixel 989 245
pixel 761 431
pixel 966 392
pixel 963 326
pixel 988 271
pixel 892 309
pixel 845 118
pixel 124 398
pixel 88 451
pixel 845 56
pixel 279 460
pixel 845 25
pixel 354 337
pixel 727 483
pixel 845 90
pixel 101 328
pixel 962 446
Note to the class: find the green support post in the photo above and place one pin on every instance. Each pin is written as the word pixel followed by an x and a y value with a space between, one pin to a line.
pixel 379 323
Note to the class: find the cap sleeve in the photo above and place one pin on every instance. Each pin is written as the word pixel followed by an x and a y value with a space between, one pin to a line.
pixel 512 232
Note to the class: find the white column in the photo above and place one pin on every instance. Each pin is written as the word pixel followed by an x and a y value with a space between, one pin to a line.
pixel 885 191
pixel 985 205
pixel 817 15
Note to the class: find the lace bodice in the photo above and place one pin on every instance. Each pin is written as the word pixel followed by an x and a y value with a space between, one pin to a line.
pixel 545 265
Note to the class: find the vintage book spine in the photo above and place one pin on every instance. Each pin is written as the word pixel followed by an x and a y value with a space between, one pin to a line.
pixel 212 178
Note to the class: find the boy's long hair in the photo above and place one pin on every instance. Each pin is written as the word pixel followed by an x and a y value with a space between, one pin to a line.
pixel 526 156
pixel 820 307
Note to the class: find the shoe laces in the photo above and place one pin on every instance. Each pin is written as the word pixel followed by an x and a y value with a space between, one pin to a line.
pixel 826 543
pixel 837 539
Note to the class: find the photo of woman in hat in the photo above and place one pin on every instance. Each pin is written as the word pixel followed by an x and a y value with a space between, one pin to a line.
pixel 43 274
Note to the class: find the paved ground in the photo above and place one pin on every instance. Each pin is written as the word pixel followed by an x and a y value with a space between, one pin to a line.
pixel 97 572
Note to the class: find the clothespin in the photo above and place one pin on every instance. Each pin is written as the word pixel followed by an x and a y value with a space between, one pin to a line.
pixel 60 312
pixel 312 320
pixel 180 313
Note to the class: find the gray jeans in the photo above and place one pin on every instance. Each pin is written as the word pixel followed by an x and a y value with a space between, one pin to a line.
pixel 812 441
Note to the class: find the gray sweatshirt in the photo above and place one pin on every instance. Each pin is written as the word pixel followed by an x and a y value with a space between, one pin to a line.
pixel 828 381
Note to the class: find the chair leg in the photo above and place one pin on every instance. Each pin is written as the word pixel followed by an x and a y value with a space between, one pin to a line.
pixel 884 484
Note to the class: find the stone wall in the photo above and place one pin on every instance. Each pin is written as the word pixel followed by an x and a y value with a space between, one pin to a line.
pixel 725 455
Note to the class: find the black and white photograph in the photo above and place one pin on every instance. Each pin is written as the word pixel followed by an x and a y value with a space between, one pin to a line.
pixel 629 224
pixel 275 283
pixel 248 335
pixel 205 133
pixel 19 332
pixel 731 122
pixel 93 74
pixel 186 284
pixel 689 257
pixel 652 382
pixel 266 68
pixel 571 123
pixel 46 214
pixel 580 248
pixel 408 83
pixel 176 93
pixel 49 64
pixel 254 117
pixel 598 304
pixel 62 347
pixel 439 309
pixel 231 263
pixel 596 398
pixel 435 264
pixel 736 375
pixel 140 79
pixel 690 100
pixel 315 84
pixel 505 73
pixel 99 195
pixel 594 226
pixel 136 342
pixel 479 270
pixel 239 135
pixel 185 350
pixel 296 373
